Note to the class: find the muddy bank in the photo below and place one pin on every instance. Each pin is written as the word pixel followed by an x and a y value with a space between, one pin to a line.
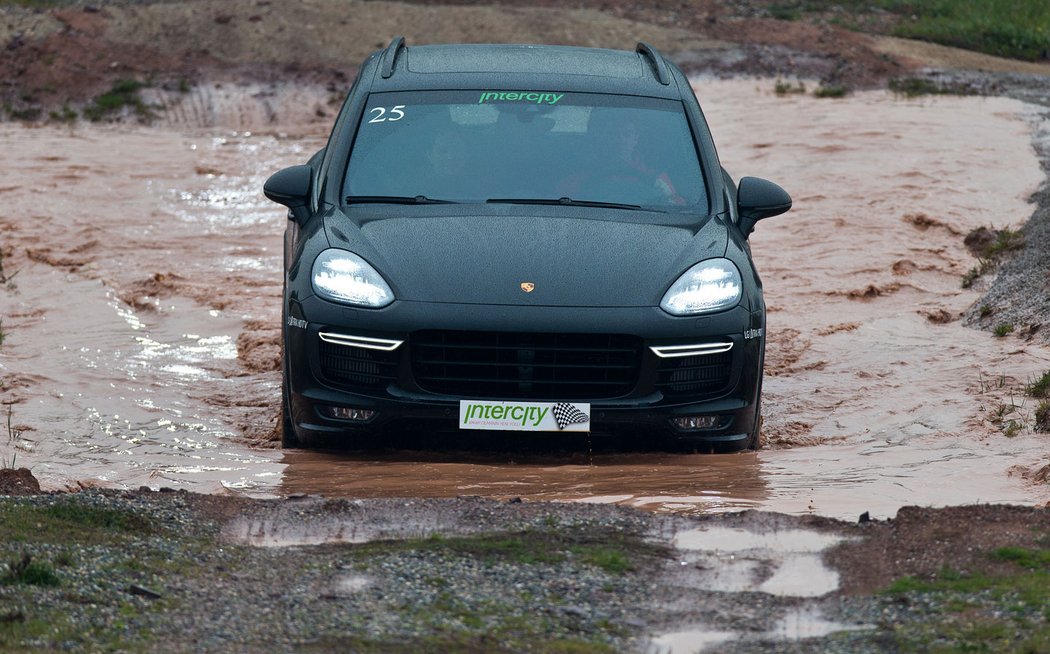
pixel 72 58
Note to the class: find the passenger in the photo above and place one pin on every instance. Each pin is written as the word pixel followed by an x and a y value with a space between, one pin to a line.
pixel 622 173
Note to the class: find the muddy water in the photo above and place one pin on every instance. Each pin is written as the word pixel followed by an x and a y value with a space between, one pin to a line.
pixel 141 329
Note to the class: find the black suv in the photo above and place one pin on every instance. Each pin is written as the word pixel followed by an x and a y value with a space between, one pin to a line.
pixel 521 238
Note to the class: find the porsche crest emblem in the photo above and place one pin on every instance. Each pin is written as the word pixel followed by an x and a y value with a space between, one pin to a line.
pixel 528 287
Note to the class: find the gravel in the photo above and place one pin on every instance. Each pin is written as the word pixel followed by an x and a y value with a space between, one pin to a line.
pixel 176 571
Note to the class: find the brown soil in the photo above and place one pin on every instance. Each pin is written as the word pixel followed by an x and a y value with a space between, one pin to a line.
pixel 68 56
pixel 18 481
pixel 922 542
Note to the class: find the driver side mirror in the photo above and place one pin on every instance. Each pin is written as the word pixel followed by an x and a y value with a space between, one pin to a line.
pixel 291 187
pixel 757 199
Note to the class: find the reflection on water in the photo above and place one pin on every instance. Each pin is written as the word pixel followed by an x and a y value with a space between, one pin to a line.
pixel 796 624
pixel 682 483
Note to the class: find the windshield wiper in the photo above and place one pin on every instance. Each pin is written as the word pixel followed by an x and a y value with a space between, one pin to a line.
pixel 566 201
pixel 394 199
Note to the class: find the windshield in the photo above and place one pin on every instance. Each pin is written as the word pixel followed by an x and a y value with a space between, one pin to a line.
pixel 521 146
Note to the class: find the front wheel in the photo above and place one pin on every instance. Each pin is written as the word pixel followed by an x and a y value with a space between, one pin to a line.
pixel 289 439
pixel 754 442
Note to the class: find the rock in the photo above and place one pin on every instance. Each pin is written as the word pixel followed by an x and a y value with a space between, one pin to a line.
pixel 18 481
pixel 142 591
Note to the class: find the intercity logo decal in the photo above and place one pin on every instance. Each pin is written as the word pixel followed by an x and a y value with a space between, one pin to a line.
pixel 525 416
pixel 531 97
pixel 528 287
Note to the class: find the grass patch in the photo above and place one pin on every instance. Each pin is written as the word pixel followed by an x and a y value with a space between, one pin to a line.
pixel 913 87
pixel 973 274
pixel 123 93
pixel 982 612
pixel 462 642
pixel 1002 329
pixel 833 91
pixel 787 88
pixel 1016 29
pixel 27 114
pixel 613 552
pixel 989 245
pixel 69 521
pixel 1041 387
pixel 35 3
pixel 1006 240
pixel 526 548
pixel 1031 559
pixel 609 559
pixel 64 115
pixel 1042 417
pixel 785 12
pixel 27 571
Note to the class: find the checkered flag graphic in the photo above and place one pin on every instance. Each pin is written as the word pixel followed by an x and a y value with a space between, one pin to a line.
pixel 566 414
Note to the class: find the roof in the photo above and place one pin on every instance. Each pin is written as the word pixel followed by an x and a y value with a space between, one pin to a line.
pixel 524 66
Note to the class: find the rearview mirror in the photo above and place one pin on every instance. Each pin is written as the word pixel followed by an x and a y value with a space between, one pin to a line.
pixel 291 187
pixel 757 199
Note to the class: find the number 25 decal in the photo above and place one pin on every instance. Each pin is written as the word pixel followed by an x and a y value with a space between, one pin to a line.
pixel 380 116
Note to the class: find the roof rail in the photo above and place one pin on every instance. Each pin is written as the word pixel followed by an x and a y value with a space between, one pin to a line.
pixel 657 60
pixel 390 56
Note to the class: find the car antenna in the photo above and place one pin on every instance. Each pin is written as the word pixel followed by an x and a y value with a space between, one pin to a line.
pixel 657 60
pixel 390 56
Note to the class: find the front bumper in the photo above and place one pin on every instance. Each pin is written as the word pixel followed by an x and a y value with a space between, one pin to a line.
pixel 389 382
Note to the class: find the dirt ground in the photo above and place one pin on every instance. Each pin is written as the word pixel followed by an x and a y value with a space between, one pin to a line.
pixel 71 54
pixel 878 396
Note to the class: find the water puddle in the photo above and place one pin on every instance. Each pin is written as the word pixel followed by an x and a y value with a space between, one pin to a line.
pixel 785 563
pixel 795 625
pixel 141 333
pixel 292 533
pixel 350 585
pixel 809 622
pixel 688 641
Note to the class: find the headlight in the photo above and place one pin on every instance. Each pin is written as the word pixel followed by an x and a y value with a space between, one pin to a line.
pixel 711 285
pixel 343 276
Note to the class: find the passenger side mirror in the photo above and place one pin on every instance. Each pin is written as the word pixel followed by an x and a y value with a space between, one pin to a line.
pixel 291 187
pixel 757 199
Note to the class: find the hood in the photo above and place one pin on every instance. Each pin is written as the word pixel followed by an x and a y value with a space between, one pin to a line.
pixel 570 261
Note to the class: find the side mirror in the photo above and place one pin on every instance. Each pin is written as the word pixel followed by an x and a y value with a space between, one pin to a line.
pixel 291 187
pixel 757 199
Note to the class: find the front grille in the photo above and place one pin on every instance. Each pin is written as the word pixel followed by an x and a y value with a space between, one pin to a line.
pixel 525 365
pixel 696 376
pixel 357 367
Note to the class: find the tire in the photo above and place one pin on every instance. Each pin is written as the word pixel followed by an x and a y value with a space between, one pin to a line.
pixel 755 441
pixel 289 439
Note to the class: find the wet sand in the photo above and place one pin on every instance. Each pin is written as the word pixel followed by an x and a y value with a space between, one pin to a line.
pixel 142 327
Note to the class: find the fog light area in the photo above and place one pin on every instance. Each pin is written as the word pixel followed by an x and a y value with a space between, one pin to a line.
pixel 696 422
pixel 346 413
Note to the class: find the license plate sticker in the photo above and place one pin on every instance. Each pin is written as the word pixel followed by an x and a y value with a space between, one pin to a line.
pixel 525 416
